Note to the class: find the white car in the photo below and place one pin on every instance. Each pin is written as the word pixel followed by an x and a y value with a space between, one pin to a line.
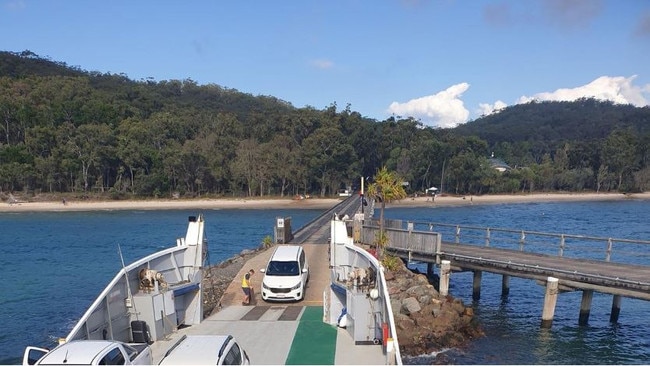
pixel 286 275
pixel 206 350
pixel 90 352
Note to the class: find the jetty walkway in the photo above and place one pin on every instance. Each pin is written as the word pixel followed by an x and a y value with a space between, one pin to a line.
pixel 562 262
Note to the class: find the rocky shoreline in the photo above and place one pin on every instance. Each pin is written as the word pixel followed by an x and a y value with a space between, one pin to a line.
pixel 426 322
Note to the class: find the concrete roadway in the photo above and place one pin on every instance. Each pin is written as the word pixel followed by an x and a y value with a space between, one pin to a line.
pixel 318 278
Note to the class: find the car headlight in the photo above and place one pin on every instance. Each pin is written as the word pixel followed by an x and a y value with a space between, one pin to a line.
pixel 265 286
pixel 296 286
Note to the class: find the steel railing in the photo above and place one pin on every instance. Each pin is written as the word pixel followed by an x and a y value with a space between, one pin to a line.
pixel 411 235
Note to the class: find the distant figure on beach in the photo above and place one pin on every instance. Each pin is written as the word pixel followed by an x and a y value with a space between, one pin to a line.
pixel 65 203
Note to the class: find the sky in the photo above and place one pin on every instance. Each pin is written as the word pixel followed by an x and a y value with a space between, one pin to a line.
pixel 442 62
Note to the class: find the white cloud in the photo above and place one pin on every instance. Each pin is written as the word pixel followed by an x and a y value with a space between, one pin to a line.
pixel 15 5
pixel 617 89
pixel 322 64
pixel 485 109
pixel 444 109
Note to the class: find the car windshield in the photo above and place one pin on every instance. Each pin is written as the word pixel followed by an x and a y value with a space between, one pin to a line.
pixel 277 268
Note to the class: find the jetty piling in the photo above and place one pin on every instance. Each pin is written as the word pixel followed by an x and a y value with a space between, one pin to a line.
pixel 476 285
pixel 616 309
pixel 505 286
pixel 445 271
pixel 550 299
pixel 585 307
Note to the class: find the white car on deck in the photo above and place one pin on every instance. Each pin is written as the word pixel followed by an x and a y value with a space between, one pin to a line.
pixel 286 275
pixel 206 350
pixel 90 352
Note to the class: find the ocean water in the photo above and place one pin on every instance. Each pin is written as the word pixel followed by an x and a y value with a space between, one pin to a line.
pixel 55 264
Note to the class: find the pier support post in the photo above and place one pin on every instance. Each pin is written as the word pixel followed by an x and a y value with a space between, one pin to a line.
pixel 476 286
pixel 430 270
pixel 445 271
pixel 505 285
pixel 550 298
pixel 585 307
pixel 616 309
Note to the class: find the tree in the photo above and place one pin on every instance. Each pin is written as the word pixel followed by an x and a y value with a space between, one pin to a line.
pixel 219 138
pixel 386 187
pixel 328 156
pixel 15 167
pixel 246 164
pixel 135 149
pixel 193 169
pixel 619 153
pixel 427 156
pixel 463 168
pixel 282 161
pixel 544 173
pixel 89 145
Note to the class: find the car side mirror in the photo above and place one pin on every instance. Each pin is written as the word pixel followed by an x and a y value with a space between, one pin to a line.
pixel 262 270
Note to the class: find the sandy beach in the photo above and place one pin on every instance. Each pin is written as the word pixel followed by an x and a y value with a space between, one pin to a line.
pixel 311 203
pixel 161 204
pixel 515 198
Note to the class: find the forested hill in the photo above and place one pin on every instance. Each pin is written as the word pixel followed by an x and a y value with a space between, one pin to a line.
pixel 185 93
pixel 27 63
pixel 556 122
pixel 63 129
pixel 550 123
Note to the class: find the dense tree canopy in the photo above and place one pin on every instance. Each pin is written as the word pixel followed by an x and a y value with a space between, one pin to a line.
pixel 63 129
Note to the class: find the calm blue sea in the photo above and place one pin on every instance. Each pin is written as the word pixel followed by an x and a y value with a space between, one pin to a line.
pixel 55 264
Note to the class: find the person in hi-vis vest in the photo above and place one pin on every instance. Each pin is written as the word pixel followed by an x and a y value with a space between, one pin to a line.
pixel 247 288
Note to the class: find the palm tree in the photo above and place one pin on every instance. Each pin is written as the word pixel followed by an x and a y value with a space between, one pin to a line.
pixel 386 187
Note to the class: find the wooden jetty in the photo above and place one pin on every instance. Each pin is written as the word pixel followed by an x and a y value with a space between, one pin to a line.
pixel 558 261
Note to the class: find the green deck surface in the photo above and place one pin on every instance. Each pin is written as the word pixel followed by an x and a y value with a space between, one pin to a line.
pixel 314 342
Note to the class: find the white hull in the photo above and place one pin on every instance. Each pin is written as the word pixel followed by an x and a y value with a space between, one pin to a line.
pixel 119 311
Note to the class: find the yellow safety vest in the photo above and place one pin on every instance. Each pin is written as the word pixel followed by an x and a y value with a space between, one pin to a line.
pixel 244 281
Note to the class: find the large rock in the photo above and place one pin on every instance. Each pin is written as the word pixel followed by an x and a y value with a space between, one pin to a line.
pixel 410 306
